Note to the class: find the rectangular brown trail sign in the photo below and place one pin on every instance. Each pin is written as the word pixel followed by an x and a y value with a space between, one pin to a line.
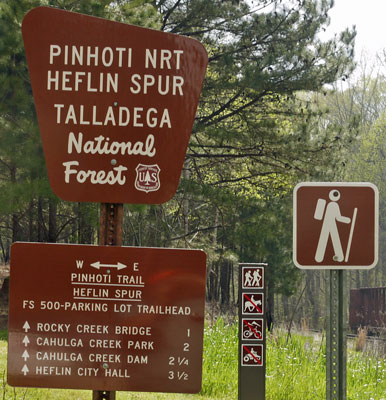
pixel 335 225
pixel 106 318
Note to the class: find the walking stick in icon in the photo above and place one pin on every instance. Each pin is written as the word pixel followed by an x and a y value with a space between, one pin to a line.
pixel 331 215
pixel 354 217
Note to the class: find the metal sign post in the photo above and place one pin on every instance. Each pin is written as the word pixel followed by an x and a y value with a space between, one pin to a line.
pixel 336 336
pixel 335 227
pixel 252 331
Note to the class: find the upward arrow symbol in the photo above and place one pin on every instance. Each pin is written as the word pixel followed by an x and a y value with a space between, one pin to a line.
pixel 25 369
pixel 26 326
pixel 26 341
pixel 25 355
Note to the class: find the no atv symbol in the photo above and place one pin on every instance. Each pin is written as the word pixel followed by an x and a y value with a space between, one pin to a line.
pixel 253 303
pixel 251 356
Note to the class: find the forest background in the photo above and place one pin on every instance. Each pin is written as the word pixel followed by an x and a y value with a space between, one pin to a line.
pixel 277 108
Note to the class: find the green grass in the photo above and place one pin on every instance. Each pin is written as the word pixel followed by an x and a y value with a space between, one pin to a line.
pixel 296 367
pixel 295 371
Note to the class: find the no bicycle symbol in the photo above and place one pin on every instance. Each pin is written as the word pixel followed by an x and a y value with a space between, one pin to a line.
pixel 252 356
pixel 252 328
pixel 253 303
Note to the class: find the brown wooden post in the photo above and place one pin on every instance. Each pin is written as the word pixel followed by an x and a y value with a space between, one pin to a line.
pixel 103 395
pixel 110 234
pixel 110 224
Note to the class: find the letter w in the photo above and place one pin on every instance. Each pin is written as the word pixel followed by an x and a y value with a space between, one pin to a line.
pixel 79 264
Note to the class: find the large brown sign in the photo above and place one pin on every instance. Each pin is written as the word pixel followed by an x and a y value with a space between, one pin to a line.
pixel 115 104
pixel 106 318
pixel 335 225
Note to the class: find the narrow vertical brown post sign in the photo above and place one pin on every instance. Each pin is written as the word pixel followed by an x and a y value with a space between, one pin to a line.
pixel 252 331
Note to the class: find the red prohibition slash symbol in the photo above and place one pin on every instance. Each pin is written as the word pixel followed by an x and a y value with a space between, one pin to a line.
pixel 253 303
pixel 253 329
pixel 252 355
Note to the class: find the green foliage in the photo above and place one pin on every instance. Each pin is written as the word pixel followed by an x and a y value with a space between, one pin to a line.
pixel 24 189
pixel 220 358
pixel 302 371
pixel 254 137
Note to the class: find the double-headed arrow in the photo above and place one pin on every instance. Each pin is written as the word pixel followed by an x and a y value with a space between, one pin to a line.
pixel 99 265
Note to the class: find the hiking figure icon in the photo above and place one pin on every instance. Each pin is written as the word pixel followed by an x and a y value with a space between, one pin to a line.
pixel 331 215
pixel 252 277
pixel 335 225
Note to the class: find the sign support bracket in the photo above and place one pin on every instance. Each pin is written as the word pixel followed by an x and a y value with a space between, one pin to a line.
pixel 336 336
pixel 110 234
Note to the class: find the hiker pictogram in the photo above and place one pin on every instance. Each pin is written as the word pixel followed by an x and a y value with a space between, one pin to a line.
pixel 252 355
pixel 252 328
pixel 335 225
pixel 253 277
pixel 331 216
pixel 253 303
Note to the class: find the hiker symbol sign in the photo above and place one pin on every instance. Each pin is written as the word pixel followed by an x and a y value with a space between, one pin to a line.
pixel 253 277
pixel 335 225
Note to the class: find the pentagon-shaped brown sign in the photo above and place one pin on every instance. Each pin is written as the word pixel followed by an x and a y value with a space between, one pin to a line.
pixel 115 104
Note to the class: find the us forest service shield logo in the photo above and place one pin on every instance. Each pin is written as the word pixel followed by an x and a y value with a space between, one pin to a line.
pixel 147 179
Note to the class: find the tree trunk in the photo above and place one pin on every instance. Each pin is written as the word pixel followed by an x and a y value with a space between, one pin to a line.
pixel 52 224
pixel 225 282
pixel 185 201
pixel 31 222
pixel 41 227
pixel 270 313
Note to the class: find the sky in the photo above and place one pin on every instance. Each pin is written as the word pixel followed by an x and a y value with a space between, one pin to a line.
pixel 369 16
